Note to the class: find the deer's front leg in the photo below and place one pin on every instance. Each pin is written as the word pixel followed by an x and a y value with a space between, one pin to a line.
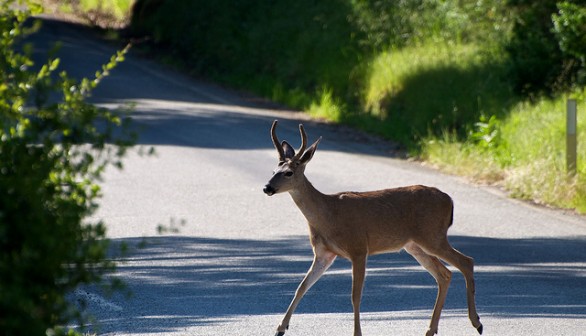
pixel 358 275
pixel 322 260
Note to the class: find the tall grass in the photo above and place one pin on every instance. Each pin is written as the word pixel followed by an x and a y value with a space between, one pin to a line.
pixel 530 159
pixel 455 98
pixel 103 13
pixel 535 135
pixel 116 8
pixel 327 106
pixel 427 88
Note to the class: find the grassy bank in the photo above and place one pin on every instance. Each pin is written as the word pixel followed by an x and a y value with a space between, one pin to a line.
pixel 524 152
pixel 425 89
pixel 453 105
pixel 102 13
pixel 451 81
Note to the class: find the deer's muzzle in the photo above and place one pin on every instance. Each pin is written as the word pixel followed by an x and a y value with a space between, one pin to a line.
pixel 269 190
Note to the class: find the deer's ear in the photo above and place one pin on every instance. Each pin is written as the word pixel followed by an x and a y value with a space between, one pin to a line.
pixel 306 157
pixel 288 150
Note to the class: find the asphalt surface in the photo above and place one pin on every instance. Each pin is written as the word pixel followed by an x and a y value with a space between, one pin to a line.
pixel 231 257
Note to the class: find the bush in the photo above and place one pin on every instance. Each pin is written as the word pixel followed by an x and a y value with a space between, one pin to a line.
pixel 407 22
pixel 569 27
pixel 543 55
pixel 52 152
pixel 274 48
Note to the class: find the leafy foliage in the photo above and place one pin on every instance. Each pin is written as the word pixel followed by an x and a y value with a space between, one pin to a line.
pixel 53 149
pixel 251 44
pixel 569 27
pixel 406 22
pixel 486 134
pixel 545 38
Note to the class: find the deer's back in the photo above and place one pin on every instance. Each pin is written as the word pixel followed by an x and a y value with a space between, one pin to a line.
pixel 385 220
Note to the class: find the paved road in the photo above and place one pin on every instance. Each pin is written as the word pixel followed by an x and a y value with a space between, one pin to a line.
pixel 238 256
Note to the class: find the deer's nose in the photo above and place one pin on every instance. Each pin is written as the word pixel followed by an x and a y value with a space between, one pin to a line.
pixel 269 190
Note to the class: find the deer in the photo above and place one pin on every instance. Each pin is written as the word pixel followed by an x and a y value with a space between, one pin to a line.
pixel 356 225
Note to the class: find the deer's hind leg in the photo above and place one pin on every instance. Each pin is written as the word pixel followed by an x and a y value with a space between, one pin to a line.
pixel 442 276
pixel 465 265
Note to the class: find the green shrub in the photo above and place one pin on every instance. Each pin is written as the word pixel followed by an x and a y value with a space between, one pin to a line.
pixel 569 27
pixel 52 152
pixel 540 58
pixel 407 22
pixel 273 48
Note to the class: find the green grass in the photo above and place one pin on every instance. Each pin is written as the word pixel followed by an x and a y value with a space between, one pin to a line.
pixel 391 70
pixel 104 13
pixel 327 106
pixel 119 9
pixel 529 161
pixel 456 100
pixel 455 157
pixel 536 139
pixel 430 87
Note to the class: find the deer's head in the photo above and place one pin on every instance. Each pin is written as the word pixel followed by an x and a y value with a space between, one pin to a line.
pixel 289 171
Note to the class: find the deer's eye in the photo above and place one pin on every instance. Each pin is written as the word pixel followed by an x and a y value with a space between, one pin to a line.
pixel 289 174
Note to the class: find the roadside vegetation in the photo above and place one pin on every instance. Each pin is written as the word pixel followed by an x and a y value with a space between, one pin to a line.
pixel 54 147
pixel 108 14
pixel 476 88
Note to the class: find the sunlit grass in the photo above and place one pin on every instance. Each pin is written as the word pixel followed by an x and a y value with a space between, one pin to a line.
pixel 118 8
pixel 459 158
pixel 326 107
pixel 531 161
pixel 390 70
pixel 536 138
pixel 104 13
pixel 428 88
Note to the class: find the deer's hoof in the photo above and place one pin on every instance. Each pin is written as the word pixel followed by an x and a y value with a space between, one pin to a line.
pixel 281 333
pixel 480 329
pixel 431 332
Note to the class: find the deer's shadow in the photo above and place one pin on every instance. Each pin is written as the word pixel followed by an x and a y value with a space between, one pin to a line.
pixel 195 281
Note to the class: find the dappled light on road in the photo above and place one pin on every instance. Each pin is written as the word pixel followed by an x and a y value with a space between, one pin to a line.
pixel 207 281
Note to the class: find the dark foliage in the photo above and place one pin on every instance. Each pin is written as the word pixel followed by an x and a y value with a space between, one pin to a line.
pixel 52 152
pixel 539 60
pixel 315 46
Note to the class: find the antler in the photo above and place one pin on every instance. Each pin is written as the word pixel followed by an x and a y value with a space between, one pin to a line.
pixel 303 142
pixel 276 142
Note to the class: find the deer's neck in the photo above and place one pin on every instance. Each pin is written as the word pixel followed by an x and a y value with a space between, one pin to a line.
pixel 312 203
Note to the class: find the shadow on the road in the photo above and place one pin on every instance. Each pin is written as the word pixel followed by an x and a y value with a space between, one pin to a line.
pixel 175 109
pixel 218 127
pixel 181 281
